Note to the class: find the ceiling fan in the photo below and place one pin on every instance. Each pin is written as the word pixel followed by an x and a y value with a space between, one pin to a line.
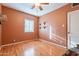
pixel 39 5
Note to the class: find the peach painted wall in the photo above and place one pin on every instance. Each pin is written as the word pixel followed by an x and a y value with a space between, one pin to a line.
pixel 0 9
pixel 58 22
pixel 0 26
pixel 0 34
pixel 13 28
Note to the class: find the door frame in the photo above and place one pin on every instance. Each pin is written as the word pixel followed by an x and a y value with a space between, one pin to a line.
pixel 68 22
pixel 68 27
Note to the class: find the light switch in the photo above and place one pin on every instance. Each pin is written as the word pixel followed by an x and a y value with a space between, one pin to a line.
pixel 63 25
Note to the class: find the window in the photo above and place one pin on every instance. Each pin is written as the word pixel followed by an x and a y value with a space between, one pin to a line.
pixel 29 25
pixel 50 32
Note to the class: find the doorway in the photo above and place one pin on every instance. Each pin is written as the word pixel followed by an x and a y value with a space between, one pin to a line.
pixel 73 29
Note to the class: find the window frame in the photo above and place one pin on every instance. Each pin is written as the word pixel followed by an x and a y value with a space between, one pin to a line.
pixel 25 26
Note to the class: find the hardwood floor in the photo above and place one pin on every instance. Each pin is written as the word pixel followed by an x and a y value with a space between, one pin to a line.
pixel 33 48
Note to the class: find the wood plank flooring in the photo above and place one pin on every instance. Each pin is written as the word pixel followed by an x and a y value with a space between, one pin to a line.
pixel 33 48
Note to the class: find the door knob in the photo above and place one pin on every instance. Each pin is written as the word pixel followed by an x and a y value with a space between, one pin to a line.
pixel 68 32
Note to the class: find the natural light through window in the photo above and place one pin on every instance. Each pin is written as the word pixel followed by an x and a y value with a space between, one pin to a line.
pixel 50 32
pixel 28 25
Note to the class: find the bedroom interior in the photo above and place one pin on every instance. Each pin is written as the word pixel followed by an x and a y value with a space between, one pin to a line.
pixel 44 29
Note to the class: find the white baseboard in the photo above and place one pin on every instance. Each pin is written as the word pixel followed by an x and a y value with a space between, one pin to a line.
pixel 30 41
pixel 15 43
pixel 53 43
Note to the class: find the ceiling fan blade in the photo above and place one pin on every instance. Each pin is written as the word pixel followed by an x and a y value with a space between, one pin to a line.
pixel 40 8
pixel 44 3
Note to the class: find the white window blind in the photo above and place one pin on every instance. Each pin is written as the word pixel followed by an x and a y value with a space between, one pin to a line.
pixel 29 25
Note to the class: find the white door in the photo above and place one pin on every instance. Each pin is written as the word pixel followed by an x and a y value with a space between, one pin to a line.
pixel 73 28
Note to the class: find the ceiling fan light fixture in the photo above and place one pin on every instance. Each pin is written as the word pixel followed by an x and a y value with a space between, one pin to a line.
pixel 37 5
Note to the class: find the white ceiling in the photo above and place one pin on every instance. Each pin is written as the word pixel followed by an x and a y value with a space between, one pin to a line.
pixel 26 7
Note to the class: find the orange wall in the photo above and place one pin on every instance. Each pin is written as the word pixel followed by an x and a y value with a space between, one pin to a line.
pixel 0 9
pixel 0 34
pixel 13 28
pixel 0 26
pixel 56 19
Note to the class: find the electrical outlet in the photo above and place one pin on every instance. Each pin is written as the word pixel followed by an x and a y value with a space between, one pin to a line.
pixel 63 25
pixel 14 40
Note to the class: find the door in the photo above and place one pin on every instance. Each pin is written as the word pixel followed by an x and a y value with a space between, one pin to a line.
pixel 73 29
